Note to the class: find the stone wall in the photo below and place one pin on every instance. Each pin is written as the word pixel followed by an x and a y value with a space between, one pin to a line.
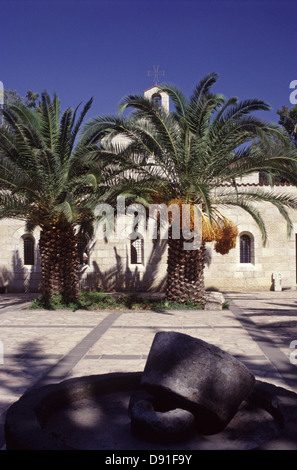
pixel 15 276
pixel 277 256
pixel 109 266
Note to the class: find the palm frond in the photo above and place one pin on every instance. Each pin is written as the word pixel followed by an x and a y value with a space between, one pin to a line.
pixel 253 212
pixel 202 89
pixel 244 108
pixel 77 126
pixel 12 206
pixel 63 146
pixel 25 114
pixel 67 208
pixel 49 124
pixel 178 98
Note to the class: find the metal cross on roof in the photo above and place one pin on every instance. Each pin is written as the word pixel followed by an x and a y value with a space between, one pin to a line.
pixel 156 72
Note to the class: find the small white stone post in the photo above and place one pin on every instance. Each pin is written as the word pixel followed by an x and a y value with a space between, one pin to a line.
pixel 277 282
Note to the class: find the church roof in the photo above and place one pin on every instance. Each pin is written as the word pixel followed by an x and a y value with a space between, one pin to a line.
pixel 257 184
pixel 151 87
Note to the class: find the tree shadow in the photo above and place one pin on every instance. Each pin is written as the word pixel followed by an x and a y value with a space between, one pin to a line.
pixel 6 277
pixel 122 278
pixel 20 372
pixel 20 278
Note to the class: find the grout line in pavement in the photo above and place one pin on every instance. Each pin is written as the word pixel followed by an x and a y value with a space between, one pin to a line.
pixel 60 370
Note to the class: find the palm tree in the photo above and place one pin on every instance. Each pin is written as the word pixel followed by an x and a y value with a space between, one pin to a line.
pixel 51 178
pixel 196 153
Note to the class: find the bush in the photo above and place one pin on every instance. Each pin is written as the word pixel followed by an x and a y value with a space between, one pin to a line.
pixel 102 301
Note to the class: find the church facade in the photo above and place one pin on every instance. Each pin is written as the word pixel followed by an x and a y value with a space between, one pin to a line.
pixel 129 264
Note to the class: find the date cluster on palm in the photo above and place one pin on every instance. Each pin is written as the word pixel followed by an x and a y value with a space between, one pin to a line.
pixel 222 231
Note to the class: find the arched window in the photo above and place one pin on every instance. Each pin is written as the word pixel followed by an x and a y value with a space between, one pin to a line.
pixel 157 99
pixel 82 248
pixel 29 250
pixel 137 250
pixel 245 249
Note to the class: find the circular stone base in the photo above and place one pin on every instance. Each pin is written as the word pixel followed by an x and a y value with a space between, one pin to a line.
pixel 91 413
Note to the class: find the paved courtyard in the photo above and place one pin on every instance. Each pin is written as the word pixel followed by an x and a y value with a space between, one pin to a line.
pixel 40 347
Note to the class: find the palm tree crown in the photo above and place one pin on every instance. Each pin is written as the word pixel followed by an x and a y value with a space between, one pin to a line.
pixel 51 178
pixel 195 154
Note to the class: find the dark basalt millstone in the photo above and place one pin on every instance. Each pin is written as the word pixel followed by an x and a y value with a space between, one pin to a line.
pixel 150 421
pixel 43 419
pixel 198 377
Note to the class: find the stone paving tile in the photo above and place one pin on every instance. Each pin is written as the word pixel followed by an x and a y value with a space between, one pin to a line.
pixel 33 341
pixel 271 318
pixel 61 344
pixel 132 334
pixel 106 366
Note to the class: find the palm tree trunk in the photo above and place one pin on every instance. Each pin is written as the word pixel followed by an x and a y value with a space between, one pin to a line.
pixel 69 264
pixel 59 262
pixel 185 273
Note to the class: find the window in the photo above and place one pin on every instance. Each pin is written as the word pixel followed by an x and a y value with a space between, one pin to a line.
pixel 29 250
pixel 156 99
pixel 245 249
pixel 82 250
pixel 137 250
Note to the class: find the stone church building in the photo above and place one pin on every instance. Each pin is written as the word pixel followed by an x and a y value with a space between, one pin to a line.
pixel 140 265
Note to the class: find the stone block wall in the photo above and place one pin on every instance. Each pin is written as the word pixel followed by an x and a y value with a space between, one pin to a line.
pixel 15 276
pixel 110 269
pixel 225 272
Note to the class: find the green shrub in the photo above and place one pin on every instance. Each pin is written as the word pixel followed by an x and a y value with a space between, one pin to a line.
pixel 102 301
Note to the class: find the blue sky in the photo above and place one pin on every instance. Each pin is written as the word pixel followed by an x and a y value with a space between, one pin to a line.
pixel 105 48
